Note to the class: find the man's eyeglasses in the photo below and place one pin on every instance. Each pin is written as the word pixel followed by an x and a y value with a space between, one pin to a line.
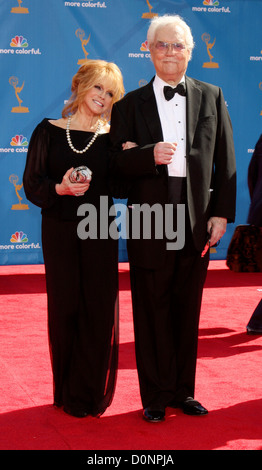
pixel 165 46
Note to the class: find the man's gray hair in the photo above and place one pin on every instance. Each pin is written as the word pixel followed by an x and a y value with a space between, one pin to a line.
pixel 175 21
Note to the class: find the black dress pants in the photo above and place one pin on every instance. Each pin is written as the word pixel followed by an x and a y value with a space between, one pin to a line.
pixel 166 309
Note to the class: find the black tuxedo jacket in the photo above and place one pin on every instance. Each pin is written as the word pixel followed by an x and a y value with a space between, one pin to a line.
pixel 211 168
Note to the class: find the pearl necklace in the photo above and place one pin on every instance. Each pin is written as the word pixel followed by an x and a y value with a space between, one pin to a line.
pixel 89 143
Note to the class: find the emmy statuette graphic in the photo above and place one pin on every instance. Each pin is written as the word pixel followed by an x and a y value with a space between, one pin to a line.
pixel 149 14
pixel 209 65
pixel 19 9
pixel 16 207
pixel 18 109
pixel 81 34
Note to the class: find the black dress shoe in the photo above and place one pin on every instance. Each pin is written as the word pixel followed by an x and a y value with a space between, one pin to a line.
pixel 193 407
pixel 254 331
pixel 154 415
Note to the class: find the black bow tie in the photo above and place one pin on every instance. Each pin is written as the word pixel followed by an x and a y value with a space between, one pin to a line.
pixel 169 92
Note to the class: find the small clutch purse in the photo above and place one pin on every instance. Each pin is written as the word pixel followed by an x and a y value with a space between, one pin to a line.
pixel 81 174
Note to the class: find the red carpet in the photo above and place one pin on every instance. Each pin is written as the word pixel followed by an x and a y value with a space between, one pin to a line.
pixel 228 374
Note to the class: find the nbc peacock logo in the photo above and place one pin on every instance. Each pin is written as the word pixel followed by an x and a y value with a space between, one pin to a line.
pixel 211 3
pixel 144 46
pixel 19 41
pixel 19 141
pixel 144 52
pixel 19 45
pixel 19 237
pixel 211 6
pixel 19 241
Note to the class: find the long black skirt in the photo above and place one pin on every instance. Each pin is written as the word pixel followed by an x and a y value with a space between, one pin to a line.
pixel 82 293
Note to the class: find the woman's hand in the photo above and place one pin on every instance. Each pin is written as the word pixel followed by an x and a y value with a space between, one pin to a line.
pixel 128 145
pixel 66 188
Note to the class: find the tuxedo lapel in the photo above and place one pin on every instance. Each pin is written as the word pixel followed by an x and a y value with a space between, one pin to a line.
pixel 193 103
pixel 151 116
pixel 150 113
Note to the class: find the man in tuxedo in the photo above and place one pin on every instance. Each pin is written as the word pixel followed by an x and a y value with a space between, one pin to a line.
pixel 172 149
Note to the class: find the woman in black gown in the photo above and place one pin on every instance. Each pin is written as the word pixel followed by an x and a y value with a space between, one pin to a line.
pixel 81 274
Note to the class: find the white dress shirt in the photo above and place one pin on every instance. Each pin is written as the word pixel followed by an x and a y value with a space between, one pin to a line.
pixel 173 121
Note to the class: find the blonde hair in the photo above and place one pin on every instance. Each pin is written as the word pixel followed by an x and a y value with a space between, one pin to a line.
pixel 92 73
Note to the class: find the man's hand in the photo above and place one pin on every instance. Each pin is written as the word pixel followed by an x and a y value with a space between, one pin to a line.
pixel 164 152
pixel 216 227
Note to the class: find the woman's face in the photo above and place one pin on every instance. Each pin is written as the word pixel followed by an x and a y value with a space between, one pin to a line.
pixel 98 100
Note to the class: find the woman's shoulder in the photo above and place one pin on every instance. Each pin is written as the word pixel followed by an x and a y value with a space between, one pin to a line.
pixel 58 122
pixel 44 129
pixel 45 123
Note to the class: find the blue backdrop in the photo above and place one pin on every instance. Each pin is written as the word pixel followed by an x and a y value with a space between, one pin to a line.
pixel 42 44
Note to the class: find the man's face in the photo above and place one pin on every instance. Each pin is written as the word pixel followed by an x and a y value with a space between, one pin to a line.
pixel 169 53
